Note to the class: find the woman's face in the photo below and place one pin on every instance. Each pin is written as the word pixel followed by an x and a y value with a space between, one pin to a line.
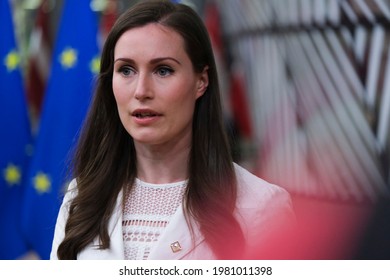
pixel 155 86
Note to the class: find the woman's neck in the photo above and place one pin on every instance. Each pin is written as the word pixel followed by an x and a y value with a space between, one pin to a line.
pixel 163 163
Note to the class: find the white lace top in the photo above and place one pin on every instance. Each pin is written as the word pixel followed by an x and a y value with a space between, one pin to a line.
pixel 147 211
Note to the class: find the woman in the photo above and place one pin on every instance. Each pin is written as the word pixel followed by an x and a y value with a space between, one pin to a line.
pixel 154 177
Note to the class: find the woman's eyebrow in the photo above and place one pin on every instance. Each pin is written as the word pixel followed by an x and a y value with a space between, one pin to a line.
pixel 153 61
pixel 160 59
pixel 128 60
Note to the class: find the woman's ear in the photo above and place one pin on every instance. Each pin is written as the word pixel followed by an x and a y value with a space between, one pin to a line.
pixel 203 82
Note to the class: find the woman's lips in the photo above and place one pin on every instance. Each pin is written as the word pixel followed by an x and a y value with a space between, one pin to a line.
pixel 145 116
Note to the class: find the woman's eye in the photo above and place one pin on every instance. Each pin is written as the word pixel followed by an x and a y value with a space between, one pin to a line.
pixel 164 71
pixel 126 70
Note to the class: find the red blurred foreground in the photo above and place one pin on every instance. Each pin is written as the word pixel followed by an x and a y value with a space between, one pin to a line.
pixel 325 231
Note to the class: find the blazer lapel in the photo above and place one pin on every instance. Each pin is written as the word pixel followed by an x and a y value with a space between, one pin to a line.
pixel 176 242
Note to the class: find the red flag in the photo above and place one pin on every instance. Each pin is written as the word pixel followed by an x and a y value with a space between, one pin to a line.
pixel 108 18
pixel 231 80
pixel 39 60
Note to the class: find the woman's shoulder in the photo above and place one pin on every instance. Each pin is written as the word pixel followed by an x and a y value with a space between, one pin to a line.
pixel 72 186
pixel 254 191
pixel 265 213
pixel 70 191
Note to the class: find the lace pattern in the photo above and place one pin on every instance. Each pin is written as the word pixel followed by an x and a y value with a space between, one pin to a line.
pixel 147 211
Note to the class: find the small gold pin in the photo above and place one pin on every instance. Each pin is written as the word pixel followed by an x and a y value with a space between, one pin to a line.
pixel 175 247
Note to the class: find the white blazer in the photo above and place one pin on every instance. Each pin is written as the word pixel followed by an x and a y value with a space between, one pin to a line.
pixel 262 209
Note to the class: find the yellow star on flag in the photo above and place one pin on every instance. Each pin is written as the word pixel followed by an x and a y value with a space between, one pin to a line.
pixel 12 60
pixel 68 58
pixel 42 183
pixel 95 65
pixel 12 175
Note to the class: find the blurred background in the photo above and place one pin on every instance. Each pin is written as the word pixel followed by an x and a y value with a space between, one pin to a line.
pixel 306 91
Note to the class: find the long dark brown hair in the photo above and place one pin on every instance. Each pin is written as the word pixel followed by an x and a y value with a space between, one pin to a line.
pixel 105 159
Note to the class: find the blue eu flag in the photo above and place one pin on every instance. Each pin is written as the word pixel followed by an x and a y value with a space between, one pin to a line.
pixel 14 141
pixel 75 62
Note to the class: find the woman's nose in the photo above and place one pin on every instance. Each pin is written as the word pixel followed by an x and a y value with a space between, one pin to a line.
pixel 143 89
